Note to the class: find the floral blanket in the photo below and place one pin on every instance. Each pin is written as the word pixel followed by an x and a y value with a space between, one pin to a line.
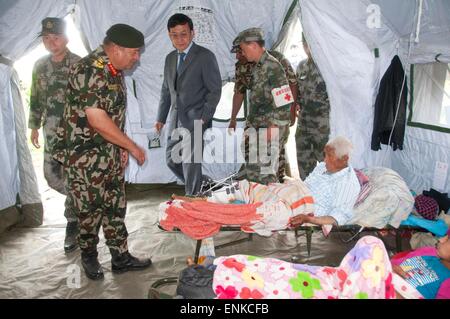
pixel 364 273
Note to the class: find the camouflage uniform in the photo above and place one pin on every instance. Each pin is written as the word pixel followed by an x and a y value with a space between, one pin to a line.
pixel 243 77
pixel 313 127
pixel 267 74
pixel 94 173
pixel 49 83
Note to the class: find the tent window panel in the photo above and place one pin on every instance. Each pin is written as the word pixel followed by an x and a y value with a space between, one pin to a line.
pixel 430 96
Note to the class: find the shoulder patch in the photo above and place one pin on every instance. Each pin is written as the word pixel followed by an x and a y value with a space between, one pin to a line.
pixel 99 63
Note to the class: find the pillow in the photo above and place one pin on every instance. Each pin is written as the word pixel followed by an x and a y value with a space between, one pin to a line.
pixel 427 207
pixel 362 178
pixel 365 191
pixel 365 187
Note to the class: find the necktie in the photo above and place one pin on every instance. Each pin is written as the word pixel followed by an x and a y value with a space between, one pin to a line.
pixel 180 62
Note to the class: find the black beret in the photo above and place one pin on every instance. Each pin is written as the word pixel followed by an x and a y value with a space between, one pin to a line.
pixel 125 35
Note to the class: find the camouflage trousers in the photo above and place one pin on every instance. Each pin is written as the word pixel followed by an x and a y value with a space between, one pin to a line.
pixel 263 159
pixel 54 175
pixel 283 164
pixel 99 200
pixel 310 145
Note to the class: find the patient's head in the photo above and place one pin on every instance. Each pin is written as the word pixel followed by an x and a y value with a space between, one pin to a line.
pixel 443 248
pixel 337 154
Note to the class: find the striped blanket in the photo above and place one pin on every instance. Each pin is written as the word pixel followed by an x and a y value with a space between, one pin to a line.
pixel 268 208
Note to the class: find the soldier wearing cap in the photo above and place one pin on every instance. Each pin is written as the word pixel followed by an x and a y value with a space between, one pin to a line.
pixel 94 149
pixel 49 82
pixel 269 115
pixel 243 76
pixel 313 126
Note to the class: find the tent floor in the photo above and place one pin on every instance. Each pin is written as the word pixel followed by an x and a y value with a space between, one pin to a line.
pixel 34 265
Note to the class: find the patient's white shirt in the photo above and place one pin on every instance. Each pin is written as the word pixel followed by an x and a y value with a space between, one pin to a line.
pixel 334 194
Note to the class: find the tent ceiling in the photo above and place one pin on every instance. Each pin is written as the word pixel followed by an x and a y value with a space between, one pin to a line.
pixel 401 16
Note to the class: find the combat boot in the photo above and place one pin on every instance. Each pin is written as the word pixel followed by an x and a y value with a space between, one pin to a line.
pixel 70 242
pixel 125 262
pixel 91 266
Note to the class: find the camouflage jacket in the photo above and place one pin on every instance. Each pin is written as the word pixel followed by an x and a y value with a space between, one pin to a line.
pixel 270 96
pixel 91 85
pixel 312 96
pixel 243 72
pixel 48 88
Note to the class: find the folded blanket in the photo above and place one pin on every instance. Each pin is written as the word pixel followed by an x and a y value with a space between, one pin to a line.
pixel 203 219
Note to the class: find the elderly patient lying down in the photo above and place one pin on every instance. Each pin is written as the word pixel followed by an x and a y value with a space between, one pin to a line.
pixel 327 196
pixel 364 272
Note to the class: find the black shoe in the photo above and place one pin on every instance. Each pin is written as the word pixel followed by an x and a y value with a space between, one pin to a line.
pixel 125 262
pixel 91 266
pixel 71 242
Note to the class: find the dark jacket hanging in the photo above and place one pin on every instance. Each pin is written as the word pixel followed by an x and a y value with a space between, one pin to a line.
pixel 386 107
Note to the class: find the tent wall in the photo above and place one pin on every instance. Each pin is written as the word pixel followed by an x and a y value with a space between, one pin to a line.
pixel 343 43
pixel 18 176
pixel 20 23
pixel 9 187
pixel 432 37
pixel 422 150
pixel 343 46
pixel 216 24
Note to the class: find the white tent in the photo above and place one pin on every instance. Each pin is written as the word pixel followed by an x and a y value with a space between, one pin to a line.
pixel 352 42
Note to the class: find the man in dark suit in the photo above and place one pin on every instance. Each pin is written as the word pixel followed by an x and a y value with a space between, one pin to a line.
pixel 191 91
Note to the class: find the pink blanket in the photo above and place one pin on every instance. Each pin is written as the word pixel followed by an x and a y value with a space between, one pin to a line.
pixel 365 272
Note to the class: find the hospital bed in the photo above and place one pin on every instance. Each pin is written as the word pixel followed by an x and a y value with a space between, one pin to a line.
pixel 387 203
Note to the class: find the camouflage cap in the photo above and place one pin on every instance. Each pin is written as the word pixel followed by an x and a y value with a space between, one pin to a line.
pixel 52 25
pixel 235 46
pixel 251 35
pixel 125 35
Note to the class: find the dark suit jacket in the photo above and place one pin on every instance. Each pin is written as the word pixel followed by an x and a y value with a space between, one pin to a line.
pixel 197 90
